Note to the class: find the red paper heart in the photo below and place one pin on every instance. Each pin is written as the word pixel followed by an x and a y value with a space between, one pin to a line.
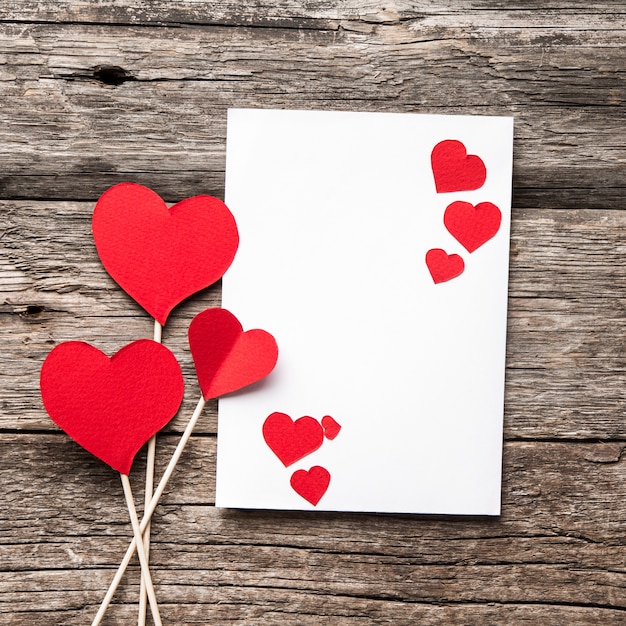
pixel 161 256
pixel 111 406
pixel 443 266
pixel 225 357
pixel 472 225
pixel 454 169
pixel 290 441
pixel 330 426
pixel 311 485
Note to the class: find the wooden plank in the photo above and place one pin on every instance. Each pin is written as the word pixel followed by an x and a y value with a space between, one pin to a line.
pixel 270 607
pixel 541 552
pixel 562 357
pixel 67 135
pixel 319 14
pixel 559 383
pixel 550 492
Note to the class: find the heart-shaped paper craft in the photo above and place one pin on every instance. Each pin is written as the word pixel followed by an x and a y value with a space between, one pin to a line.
pixel 111 406
pixel 454 169
pixel 226 358
pixel 311 485
pixel 291 441
pixel 472 225
pixel 161 256
pixel 443 266
pixel 330 426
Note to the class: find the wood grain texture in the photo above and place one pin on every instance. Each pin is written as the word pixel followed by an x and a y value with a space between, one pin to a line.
pixel 68 133
pixel 563 358
pixel 93 93
pixel 292 566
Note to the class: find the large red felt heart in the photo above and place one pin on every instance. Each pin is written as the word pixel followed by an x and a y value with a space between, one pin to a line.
pixel 472 225
pixel 311 485
pixel 161 256
pixel 226 358
pixel 454 169
pixel 443 266
pixel 111 406
pixel 291 441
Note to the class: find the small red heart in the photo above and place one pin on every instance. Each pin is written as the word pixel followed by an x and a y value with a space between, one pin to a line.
pixel 330 426
pixel 472 225
pixel 226 358
pixel 161 256
pixel 454 169
pixel 443 266
pixel 111 406
pixel 311 485
pixel 290 441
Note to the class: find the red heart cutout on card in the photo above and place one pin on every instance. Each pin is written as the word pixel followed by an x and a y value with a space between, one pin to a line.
pixel 290 441
pixel 161 256
pixel 111 406
pixel 472 225
pixel 330 426
pixel 311 485
pixel 443 266
pixel 226 358
pixel 454 169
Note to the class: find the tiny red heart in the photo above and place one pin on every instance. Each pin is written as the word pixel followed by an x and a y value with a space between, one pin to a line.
pixel 311 485
pixel 226 357
pixel 471 225
pixel 454 169
pixel 291 441
pixel 111 406
pixel 443 266
pixel 161 256
pixel 330 426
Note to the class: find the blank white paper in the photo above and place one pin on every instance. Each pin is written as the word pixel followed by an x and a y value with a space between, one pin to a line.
pixel 336 211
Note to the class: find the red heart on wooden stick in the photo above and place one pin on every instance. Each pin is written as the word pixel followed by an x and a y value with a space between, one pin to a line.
pixel 443 266
pixel 111 406
pixel 291 441
pixel 311 485
pixel 454 169
pixel 472 225
pixel 226 358
pixel 161 256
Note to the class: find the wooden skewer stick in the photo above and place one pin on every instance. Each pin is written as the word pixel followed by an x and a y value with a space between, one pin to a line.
pixel 145 571
pixel 149 511
pixel 149 488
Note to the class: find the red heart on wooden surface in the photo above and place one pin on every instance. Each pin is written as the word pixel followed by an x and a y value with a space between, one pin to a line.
pixel 454 169
pixel 226 358
pixel 291 441
pixel 311 485
pixel 111 406
pixel 161 256
pixel 443 266
pixel 472 225
pixel 330 426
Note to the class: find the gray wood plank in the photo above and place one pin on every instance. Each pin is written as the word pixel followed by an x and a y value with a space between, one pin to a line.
pixel 68 135
pixel 319 14
pixel 565 361
pixel 542 550
pixel 269 607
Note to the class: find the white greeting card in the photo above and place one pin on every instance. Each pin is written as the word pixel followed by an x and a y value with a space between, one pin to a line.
pixel 374 247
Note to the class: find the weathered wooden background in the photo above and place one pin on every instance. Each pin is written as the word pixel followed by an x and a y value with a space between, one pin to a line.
pixel 97 92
